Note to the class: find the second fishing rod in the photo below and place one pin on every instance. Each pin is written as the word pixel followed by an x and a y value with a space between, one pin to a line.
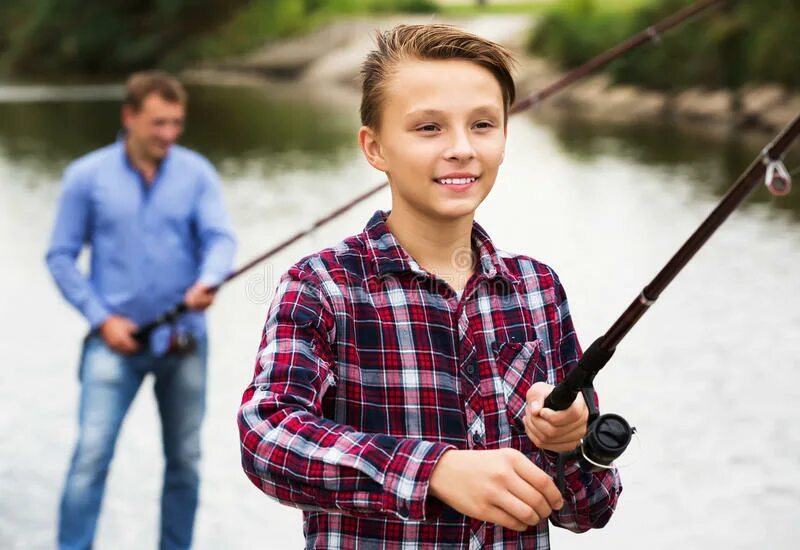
pixel 649 34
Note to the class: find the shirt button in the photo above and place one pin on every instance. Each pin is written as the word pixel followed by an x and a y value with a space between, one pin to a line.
pixel 403 511
pixel 478 439
pixel 471 369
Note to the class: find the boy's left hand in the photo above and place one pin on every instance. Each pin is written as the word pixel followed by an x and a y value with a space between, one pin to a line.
pixel 557 431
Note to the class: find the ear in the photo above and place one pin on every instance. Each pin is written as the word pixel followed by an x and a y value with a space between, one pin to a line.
pixel 126 116
pixel 371 147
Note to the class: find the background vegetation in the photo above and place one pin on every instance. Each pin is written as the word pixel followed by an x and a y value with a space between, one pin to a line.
pixel 744 41
pixel 741 42
pixel 101 37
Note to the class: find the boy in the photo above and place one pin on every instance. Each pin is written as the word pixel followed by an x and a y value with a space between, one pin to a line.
pixel 398 389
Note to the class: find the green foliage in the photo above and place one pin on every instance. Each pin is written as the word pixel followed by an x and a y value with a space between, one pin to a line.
pixel 262 21
pixel 90 36
pixel 740 43
pixel 97 36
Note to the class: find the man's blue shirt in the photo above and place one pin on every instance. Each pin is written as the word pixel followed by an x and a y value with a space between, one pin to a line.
pixel 149 243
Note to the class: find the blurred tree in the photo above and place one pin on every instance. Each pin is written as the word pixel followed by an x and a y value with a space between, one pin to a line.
pixel 90 36
pixel 736 44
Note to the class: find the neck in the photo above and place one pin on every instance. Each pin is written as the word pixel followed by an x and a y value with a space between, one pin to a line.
pixel 144 164
pixel 442 247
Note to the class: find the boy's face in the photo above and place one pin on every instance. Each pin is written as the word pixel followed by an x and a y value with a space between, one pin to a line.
pixel 441 137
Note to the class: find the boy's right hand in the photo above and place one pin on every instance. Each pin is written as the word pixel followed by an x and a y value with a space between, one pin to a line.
pixel 500 486
pixel 117 332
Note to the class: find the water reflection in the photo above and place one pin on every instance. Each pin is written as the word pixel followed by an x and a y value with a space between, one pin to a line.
pixel 244 124
pixel 711 159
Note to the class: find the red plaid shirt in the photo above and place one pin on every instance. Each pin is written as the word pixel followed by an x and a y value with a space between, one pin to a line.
pixel 370 368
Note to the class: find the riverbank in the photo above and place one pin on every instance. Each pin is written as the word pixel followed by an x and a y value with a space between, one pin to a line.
pixel 329 57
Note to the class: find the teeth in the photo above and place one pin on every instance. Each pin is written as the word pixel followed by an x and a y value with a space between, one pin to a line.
pixel 456 181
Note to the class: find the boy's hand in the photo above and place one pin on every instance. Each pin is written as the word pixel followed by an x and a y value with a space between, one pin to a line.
pixel 499 486
pixel 557 431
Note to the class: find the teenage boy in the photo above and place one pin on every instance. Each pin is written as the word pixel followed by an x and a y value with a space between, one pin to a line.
pixel 397 396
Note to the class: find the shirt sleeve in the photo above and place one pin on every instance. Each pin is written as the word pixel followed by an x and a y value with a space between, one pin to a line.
pixel 71 232
pixel 214 230
pixel 589 497
pixel 301 458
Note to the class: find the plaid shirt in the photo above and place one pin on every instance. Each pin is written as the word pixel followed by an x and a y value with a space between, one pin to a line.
pixel 370 368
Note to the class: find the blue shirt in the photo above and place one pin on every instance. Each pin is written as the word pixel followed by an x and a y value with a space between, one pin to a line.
pixel 149 243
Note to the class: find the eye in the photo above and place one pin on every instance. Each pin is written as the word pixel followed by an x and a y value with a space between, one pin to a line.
pixel 484 124
pixel 428 128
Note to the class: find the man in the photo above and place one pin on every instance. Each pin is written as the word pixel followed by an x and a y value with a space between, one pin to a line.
pixel 397 395
pixel 152 214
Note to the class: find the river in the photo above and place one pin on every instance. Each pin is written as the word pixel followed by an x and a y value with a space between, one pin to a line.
pixel 710 377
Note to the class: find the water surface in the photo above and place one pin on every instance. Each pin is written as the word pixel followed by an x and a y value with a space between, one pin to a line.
pixel 709 376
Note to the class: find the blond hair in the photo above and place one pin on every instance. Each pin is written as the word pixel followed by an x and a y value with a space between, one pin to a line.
pixel 432 42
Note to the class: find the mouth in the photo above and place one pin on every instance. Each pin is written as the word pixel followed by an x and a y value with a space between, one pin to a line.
pixel 456 181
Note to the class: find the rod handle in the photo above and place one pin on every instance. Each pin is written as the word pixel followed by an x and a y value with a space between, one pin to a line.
pixel 142 335
pixel 581 376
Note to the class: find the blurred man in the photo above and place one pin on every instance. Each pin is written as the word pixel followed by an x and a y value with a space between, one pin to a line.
pixel 152 213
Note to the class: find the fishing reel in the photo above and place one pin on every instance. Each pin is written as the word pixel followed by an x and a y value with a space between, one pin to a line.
pixel 607 437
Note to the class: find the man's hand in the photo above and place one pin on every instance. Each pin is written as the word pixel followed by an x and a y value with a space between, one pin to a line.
pixel 199 297
pixel 499 486
pixel 557 431
pixel 117 332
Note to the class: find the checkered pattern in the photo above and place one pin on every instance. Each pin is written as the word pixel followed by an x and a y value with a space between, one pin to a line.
pixel 370 368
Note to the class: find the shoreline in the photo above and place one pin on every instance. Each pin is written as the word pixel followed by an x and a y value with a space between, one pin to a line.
pixel 328 61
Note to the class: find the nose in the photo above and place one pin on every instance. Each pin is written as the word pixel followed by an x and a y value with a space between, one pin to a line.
pixel 170 132
pixel 460 147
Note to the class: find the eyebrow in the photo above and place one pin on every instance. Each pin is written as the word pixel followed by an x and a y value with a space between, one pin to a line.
pixel 483 109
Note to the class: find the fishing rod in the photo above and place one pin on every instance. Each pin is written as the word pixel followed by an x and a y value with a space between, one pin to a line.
pixel 170 316
pixel 608 435
pixel 143 333
pixel 652 33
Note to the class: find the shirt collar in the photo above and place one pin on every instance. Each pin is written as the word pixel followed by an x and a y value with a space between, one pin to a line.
pixel 389 256
pixel 123 151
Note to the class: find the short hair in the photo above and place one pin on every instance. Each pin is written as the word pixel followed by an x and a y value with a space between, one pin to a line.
pixel 432 42
pixel 140 85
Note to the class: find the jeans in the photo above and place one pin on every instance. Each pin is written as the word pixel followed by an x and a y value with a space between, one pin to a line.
pixel 109 382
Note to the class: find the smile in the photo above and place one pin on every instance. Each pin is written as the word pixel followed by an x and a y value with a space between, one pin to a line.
pixel 456 181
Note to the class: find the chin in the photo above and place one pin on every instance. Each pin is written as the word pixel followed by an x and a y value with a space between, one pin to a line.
pixel 453 212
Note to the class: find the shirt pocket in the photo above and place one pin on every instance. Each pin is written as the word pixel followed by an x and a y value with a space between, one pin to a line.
pixel 519 365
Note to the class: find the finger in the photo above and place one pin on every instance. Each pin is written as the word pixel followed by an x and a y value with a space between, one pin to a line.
pixel 541 482
pixel 530 496
pixel 501 517
pixel 551 430
pixel 562 418
pixel 556 435
pixel 577 410
pixel 538 392
pixel 559 447
pixel 518 509
pixel 128 344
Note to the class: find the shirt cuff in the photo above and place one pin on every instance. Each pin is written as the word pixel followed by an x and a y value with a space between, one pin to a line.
pixel 408 478
pixel 210 279
pixel 95 313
